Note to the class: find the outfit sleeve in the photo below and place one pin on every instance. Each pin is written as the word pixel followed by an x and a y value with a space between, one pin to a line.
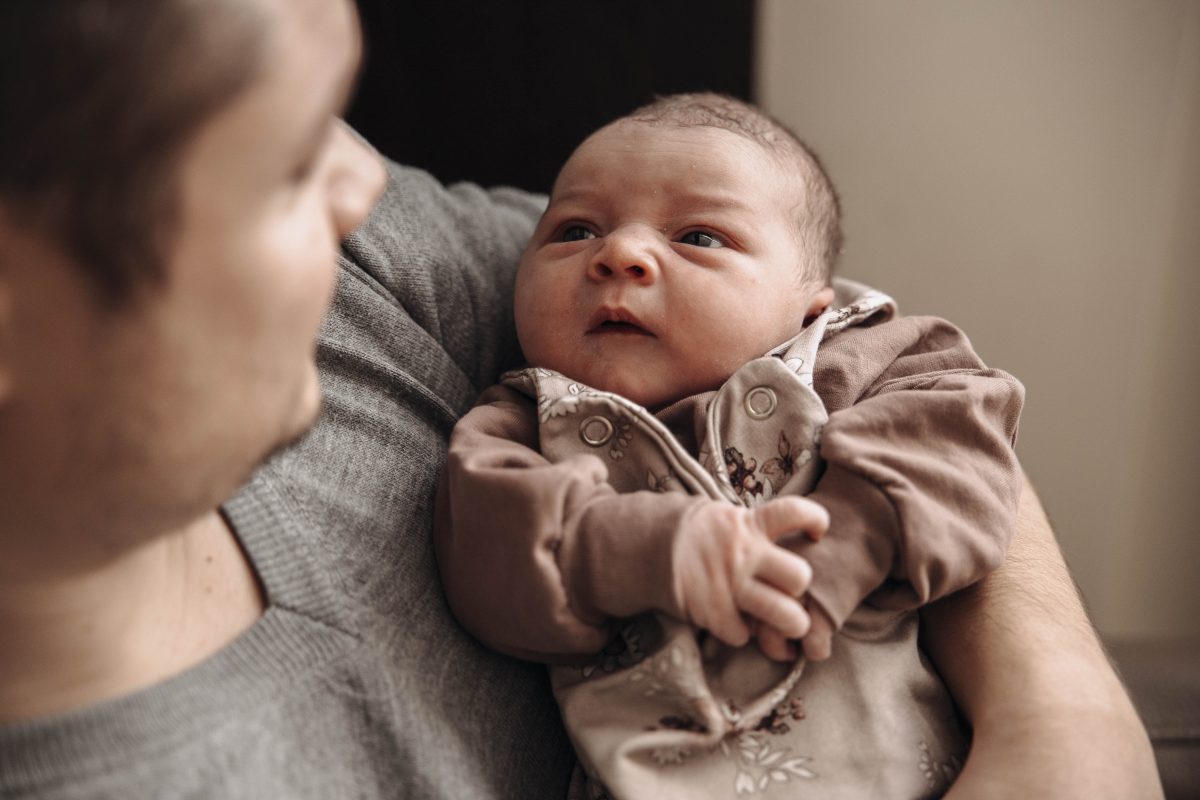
pixel 537 558
pixel 921 480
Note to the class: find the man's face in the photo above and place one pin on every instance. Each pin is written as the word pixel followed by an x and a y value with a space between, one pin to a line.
pixel 665 260
pixel 162 409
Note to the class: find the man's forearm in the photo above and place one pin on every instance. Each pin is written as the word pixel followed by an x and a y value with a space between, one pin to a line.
pixel 1025 666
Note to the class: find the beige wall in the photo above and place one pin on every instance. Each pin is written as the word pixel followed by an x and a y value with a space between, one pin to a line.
pixel 1032 171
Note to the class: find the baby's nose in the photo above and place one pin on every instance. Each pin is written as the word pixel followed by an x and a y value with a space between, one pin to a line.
pixel 625 254
pixel 635 271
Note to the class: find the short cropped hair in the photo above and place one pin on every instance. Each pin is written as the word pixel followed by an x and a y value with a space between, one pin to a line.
pixel 98 99
pixel 818 223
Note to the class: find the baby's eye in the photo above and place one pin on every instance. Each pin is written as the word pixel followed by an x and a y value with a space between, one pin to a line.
pixel 577 233
pixel 701 239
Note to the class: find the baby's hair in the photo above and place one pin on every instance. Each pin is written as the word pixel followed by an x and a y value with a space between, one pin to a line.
pixel 818 209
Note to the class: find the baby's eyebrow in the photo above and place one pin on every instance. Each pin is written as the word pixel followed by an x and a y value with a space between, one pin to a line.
pixel 724 202
pixel 573 196
pixel 720 201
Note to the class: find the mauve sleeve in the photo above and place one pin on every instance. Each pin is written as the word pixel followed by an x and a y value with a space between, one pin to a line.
pixel 921 480
pixel 538 558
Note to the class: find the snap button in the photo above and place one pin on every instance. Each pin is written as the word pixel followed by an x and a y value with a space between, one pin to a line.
pixel 760 402
pixel 595 431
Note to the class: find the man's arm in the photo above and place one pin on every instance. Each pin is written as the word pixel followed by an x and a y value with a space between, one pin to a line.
pixel 1025 666
pixel 447 257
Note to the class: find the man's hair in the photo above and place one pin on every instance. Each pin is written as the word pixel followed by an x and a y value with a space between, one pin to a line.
pixel 98 99
pixel 818 223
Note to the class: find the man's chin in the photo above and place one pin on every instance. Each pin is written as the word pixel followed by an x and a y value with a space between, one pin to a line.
pixel 304 416
pixel 307 412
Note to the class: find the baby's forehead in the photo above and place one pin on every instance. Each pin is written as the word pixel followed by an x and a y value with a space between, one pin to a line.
pixel 630 133
pixel 627 147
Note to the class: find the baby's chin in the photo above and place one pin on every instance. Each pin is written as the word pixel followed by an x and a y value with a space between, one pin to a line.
pixel 647 390
pixel 651 383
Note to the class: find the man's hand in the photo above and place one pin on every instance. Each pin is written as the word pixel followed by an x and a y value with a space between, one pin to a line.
pixel 727 567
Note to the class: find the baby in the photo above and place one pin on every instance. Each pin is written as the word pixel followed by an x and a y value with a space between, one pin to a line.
pixel 716 440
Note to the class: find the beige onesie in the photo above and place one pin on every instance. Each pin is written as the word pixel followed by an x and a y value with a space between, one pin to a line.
pixel 585 487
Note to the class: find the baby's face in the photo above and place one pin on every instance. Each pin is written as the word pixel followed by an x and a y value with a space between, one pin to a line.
pixel 665 260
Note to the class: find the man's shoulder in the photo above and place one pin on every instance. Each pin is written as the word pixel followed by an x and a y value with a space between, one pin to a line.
pixel 419 223
pixel 434 266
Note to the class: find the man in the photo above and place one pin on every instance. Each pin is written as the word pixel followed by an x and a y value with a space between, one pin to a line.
pixel 180 615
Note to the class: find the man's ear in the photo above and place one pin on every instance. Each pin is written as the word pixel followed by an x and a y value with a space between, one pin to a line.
pixel 819 302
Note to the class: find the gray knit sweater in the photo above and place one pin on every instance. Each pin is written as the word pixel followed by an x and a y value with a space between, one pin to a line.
pixel 356 683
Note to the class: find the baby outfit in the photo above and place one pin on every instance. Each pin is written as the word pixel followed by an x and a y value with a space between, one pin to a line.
pixel 563 503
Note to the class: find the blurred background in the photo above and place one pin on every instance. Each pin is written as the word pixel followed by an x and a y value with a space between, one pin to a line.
pixel 1030 171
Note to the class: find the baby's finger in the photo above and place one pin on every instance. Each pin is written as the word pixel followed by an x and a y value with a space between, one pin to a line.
pixel 774 608
pixel 774 644
pixel 783 569
pixel 730 628
pixel 787 516
pixel 818 644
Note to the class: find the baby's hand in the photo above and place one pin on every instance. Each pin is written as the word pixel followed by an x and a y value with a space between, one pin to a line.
pixel 727 565
pixel 818 642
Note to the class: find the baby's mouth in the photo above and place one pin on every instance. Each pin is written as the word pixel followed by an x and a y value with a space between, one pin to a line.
pixel 619 327
pixel 618 322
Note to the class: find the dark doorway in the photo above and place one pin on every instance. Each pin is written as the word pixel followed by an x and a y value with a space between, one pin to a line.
pixel 500 92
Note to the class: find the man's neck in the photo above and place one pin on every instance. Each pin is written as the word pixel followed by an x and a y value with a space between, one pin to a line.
pixel 71 641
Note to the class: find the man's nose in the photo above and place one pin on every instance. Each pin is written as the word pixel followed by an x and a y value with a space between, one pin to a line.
pixel 627 253
pixel 355 182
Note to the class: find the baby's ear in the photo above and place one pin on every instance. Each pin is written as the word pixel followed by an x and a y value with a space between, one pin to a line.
pixel 819 301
